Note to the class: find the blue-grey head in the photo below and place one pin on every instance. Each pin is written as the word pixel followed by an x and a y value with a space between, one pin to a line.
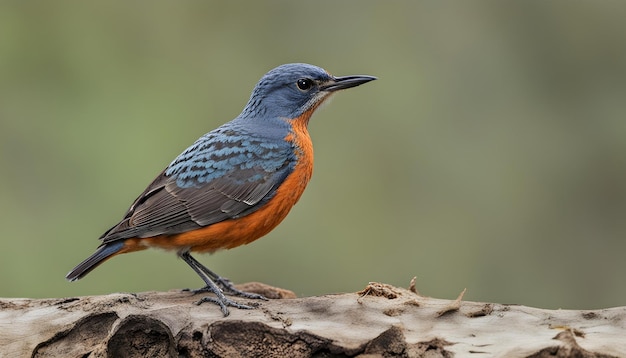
pixel 294 89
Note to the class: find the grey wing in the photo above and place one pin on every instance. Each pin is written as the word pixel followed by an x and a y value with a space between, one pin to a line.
pixel 203 192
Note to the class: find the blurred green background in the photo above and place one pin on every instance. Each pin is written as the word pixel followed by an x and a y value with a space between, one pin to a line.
pixel 490 155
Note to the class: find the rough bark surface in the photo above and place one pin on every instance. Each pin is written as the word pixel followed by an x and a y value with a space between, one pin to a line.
pixel 380 321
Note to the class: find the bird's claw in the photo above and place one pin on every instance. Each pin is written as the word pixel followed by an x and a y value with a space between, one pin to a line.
pixel 228 288
pixel 224 303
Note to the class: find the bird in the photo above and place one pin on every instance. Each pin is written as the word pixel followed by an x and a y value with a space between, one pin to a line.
pixel 233 185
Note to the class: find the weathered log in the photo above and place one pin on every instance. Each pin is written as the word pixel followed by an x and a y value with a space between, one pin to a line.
pixel 381 320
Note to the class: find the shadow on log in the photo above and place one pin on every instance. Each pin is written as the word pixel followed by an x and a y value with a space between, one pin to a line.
pixel 380 321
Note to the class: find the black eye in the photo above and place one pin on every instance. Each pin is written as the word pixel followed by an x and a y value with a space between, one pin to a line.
pixel 304 84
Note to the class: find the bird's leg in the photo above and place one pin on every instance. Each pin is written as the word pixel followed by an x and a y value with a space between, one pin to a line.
pixel 222 282
pixel 220 299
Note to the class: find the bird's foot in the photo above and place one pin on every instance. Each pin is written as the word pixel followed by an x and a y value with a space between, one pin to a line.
pixel 224 302
pixel 221 300
pixel 218 286
pixel 227 287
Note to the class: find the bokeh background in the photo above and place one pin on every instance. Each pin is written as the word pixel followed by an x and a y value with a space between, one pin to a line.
pixel 490 155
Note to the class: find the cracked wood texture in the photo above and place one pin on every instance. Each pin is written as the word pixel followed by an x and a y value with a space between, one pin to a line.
pixel 380 321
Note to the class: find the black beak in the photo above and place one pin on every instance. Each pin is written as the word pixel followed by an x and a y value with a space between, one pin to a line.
pixel 340 83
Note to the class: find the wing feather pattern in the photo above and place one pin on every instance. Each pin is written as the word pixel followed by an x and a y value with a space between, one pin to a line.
pixel 224 175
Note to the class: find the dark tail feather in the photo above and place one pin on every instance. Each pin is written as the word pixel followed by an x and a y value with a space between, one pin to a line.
pixel 104 252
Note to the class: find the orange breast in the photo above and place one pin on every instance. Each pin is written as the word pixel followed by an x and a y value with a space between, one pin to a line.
pixel 234 232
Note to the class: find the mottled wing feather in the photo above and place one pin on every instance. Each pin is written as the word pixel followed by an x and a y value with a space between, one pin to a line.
pixel 227 197
pixel 153 212
pixel 205 188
